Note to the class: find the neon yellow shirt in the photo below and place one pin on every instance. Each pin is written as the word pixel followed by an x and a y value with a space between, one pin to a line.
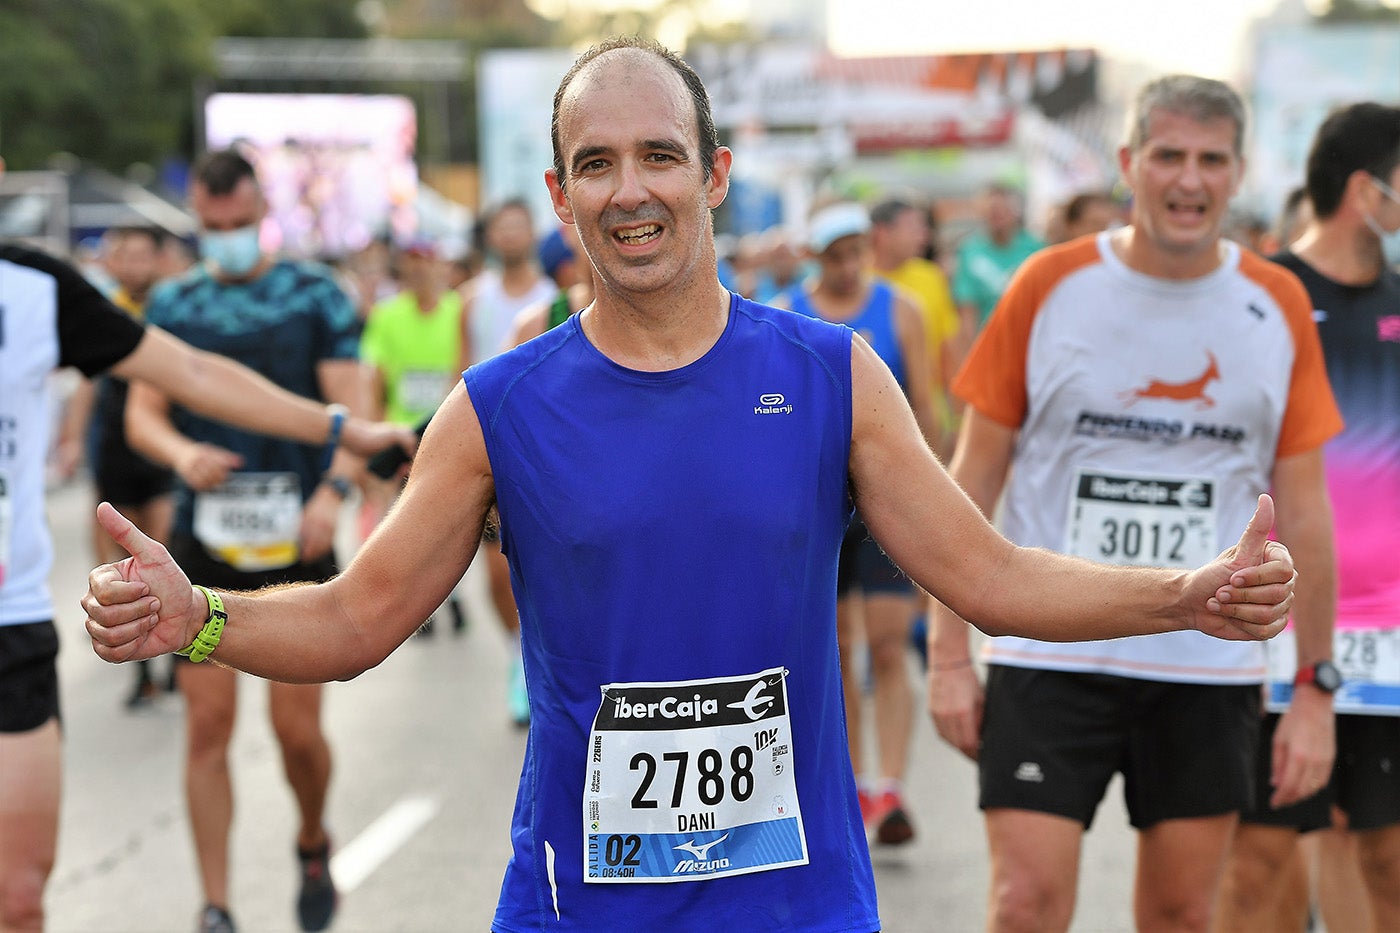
pixel 416 353
pixel 926 281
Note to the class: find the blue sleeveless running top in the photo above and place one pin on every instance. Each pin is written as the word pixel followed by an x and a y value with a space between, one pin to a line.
pixel 875 323
pixel 672 540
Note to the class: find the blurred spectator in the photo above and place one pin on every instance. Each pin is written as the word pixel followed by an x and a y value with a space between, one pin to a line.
pixel 559 257
pixel 412 341
pixel 933 250
pixel 138 488
pixel 91 256
pixel 749 264
pixel 462 268
pixel 1292 220
pixel 899 234
pixel 876 602
pixel 1249 230
pixel 783 262
pixel 988 257
pixel 371 274
pixel 412 349
pixel 177 254
pixel 511 283
pixel 1089 212
pixel 725 246
pixel 562 259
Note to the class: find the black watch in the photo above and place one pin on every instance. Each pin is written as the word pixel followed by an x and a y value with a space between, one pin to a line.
pixel 339 485
pixel 1323 675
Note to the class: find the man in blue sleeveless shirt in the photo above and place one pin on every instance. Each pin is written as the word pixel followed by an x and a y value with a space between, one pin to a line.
pixel 686 711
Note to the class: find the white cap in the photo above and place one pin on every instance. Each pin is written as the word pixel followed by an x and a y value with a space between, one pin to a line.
pixel 834 222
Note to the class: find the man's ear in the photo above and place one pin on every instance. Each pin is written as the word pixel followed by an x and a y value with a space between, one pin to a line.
pixel 1125 164
pixel 557 197
pixel 718 184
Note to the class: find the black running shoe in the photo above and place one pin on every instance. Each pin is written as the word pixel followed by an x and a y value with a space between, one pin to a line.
pixel 215 920
pixel 459 615
pixel 317 900
pixel 142 695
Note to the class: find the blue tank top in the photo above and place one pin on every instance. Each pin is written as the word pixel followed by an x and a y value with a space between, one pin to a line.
pixel 672 540
pixel 875 323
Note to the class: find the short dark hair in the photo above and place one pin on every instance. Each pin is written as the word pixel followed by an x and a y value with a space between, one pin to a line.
pixel 1079 205
pixel 1201 99
pixel 1361 137
pixel 517 203
pixel 1286 225
pixel 889 210
pixel 125 231
pixel 704 119
pixel 220 171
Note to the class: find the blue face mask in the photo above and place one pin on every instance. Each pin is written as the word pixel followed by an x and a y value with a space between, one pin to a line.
pixel 1390 241
pixel 235 252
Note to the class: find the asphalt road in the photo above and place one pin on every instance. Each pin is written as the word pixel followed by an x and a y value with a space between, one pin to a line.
pixel 426 763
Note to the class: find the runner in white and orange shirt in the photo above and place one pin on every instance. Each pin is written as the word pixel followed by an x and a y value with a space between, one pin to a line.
pixel 1141 388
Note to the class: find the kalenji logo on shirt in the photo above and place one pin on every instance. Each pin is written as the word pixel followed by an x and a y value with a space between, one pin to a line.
pixel 1192 390
pixel 772 403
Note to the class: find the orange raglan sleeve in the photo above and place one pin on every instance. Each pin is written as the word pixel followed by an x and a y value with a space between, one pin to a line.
pixel 1311 417
pixel 993 377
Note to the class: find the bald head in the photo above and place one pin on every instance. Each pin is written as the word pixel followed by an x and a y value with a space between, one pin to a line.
pixel 625 50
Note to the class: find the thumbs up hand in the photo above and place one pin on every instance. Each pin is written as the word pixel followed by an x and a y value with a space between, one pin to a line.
pixel 1246 592
pixel 142 606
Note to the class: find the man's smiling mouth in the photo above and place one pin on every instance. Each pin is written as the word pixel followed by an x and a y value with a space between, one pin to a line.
pixel 639 235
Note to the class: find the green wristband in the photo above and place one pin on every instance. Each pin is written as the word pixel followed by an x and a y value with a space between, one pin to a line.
pixel 208 638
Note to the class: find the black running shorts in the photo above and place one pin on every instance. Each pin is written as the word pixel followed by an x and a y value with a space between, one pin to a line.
pixel 28 676
pixel 1052 740
pixel 864 568
pixel 1365 781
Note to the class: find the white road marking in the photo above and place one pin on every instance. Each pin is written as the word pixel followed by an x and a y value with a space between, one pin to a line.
pixel 356 861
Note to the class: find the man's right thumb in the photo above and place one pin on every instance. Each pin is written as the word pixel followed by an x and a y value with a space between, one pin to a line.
pixel 131 538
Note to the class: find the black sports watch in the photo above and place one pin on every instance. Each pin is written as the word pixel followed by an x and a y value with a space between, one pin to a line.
pixel 1323 675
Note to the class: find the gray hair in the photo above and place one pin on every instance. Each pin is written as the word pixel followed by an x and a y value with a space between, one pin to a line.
pixel 1201 99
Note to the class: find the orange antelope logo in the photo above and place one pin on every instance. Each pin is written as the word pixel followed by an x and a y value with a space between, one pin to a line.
pixel 1191 391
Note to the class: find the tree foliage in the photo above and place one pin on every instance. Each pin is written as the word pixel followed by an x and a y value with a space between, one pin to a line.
pixel 112 81
pixel 1361 11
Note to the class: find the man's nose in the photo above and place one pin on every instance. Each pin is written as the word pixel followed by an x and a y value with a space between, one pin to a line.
pixel 631 188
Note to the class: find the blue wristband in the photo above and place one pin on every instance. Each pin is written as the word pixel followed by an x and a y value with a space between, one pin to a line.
pixel 338 415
